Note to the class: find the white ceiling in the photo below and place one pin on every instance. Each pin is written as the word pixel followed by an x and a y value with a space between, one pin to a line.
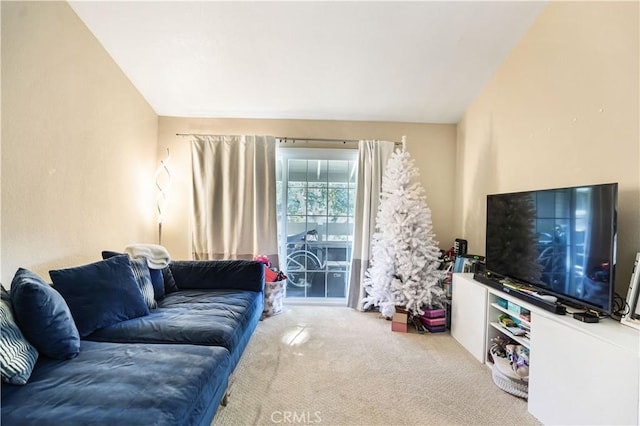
pixel 381 61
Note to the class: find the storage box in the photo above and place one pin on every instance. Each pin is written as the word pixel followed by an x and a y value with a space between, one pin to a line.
pixel 512 307
pixel 432 322
pixel 274 293
pixel 399 322
pixel 436 328
pixel 433 313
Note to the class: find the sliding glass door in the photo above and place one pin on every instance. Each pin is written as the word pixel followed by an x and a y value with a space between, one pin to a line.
pixel 317 189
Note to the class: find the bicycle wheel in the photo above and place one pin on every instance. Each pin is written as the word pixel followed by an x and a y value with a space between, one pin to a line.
pixel 298 264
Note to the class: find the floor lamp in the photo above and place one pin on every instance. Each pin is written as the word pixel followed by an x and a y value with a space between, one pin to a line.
pixel 163 180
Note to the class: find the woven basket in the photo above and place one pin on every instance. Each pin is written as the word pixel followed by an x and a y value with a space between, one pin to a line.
pixel 515 387
pixel 506 379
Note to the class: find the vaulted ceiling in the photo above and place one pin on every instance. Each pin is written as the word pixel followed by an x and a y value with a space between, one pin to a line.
pixel 381 61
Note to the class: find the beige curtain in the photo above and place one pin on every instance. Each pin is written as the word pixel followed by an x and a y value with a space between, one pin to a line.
pixel 373 157
pixel 234 197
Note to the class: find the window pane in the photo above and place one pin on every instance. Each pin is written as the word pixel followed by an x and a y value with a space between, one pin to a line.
pixel 336 284
pixel 296 201
pixel 317 201
pixel 317 287
pixel 351 211
pixel 339 232
pixel 316 172
pixel 338 201
pixel 339 171
pixel 318 224
pixel 353 173
pixel 297 171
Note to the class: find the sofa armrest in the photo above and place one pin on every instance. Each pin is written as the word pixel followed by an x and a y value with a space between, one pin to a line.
pixel 218 274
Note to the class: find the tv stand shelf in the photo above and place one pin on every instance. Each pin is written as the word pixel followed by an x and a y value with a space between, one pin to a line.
pixel 579 373
pixel 522 340
pixel 506 311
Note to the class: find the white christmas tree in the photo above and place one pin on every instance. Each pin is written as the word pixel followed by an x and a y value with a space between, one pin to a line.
pixel 405 257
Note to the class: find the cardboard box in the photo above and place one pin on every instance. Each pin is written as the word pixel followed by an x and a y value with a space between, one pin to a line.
pixel 399 322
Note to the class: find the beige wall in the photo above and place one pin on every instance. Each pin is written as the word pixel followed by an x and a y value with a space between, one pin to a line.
pixel 562 110
pixel 431 146
pixel 78 144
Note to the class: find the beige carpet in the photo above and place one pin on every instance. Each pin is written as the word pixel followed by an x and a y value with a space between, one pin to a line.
pixel 338 366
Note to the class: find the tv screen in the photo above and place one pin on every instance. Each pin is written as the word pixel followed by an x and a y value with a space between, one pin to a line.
pixel 561 241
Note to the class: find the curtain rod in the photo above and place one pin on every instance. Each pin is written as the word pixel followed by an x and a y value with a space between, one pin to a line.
pixel 285 139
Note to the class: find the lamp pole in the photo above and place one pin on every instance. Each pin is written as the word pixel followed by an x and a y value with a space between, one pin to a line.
pixel 163 180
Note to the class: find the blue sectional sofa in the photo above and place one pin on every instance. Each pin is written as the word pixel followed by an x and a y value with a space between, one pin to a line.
pixel 219 304
pixel 169 366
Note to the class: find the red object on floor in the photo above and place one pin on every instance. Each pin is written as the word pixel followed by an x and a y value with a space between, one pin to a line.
pixel 270 276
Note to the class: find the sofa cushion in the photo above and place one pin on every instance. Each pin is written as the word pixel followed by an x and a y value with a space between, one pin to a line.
pixel 100 294
pixel 43 316
pixel 143 278
pixel 116 384
pixel 201 317
pixel 156 275
pixel 218 274
pixel 17 355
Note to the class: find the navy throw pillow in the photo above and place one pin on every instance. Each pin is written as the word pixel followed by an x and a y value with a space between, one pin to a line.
pixel 106 254
pixel 156 275
pixel 158 283
pixel 43 316
pixel 170 285
pixel 100 294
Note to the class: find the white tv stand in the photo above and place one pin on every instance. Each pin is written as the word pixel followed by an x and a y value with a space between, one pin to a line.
pixel 579 373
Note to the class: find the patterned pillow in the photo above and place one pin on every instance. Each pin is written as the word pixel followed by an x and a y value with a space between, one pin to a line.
pixel 18 356
pixel 143 278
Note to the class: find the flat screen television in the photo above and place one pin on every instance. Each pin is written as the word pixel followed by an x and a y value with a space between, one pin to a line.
pixel 560 241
